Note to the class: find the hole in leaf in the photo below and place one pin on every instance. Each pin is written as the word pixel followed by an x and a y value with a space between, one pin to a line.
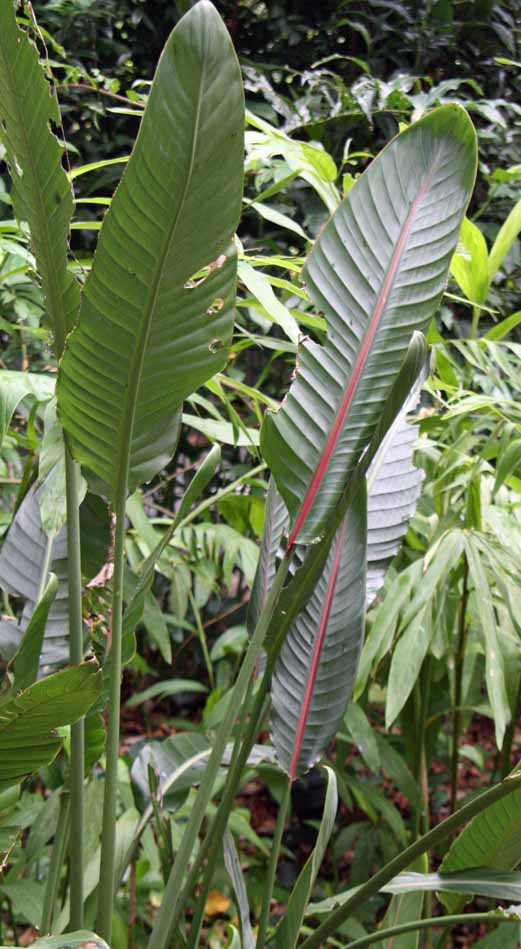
pixel 198 278
pixel 216 345
pixel 215 307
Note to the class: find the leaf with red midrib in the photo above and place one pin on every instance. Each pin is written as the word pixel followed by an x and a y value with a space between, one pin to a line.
pixel 377 272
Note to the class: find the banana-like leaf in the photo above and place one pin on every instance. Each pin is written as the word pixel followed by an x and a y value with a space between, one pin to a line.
pixel 316 668
pixel 157 311
pixel 377 272
pixel 23 558
pixel 491 839
pixel 42 194
pixel 28 720
pixel 393 488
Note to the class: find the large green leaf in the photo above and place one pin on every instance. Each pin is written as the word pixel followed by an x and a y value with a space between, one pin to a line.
pixel 42 195
pixel 377 271
pixel 28 739
pixel 157 311
pixel 491 839
pixel 316 668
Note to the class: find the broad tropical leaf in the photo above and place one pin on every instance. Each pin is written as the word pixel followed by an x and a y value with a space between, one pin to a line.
pixel 316 668
pixel 491 839
pixel 393 489
pixel 78 940
pixel 157 311
pixel 24 555
pixel 377 271
pixel 276 522
pixel 27 721
pixel 42 194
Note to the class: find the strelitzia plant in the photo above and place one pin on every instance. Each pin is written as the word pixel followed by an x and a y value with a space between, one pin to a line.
pixel 152 322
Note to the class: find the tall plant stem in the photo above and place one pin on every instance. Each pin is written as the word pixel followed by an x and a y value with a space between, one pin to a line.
pixel 458 688
pixel 213 849
pixel 435 836
pixel 162 932
pixel 108 837
pixel 272 865
pixel 72 481
pixel 421 821
pixel 506 750
pixel 50 899
pixel 446 921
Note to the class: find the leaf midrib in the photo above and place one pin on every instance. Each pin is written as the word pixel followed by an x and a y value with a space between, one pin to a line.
pixel 138 359
pixel 361 358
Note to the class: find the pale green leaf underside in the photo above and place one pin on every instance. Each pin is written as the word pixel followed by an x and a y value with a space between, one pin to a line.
pixel 148 333
pixel 41 192
pixel 377 272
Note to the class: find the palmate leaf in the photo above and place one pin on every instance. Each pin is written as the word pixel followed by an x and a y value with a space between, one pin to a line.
pixel 42 195
pixel 377 271
pixel 157 311
pixel 28 739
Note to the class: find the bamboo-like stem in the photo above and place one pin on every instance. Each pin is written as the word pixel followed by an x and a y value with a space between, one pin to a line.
pixel 108 837
pixel 165 922
pixel 435 836
pixel 57 857
pixel 446 921
pixel 72 482
pixel 458 688
pixel 272 866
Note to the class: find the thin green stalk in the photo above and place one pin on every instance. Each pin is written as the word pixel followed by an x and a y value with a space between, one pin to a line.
pixel 506 750
pixel 216 831
pixel 219 495
pixel 214 850
pixel 162 932
pixel 202 639
pixel 421 773
pixel 272 865
pixel 59 847
pixel 72 487
pixel 447 921
pixel 474 329
pixel 458 688
pixel 108 837
pixel 403 860
pixel 44 575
